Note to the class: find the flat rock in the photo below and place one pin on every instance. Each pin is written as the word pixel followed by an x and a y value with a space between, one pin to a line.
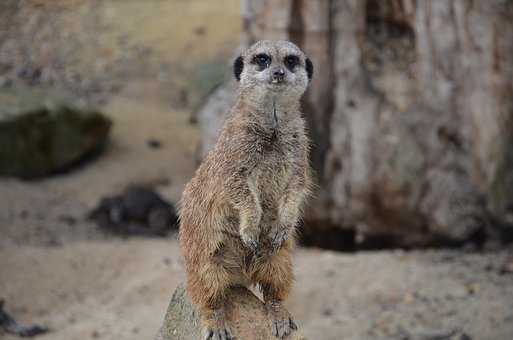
pixel 247 318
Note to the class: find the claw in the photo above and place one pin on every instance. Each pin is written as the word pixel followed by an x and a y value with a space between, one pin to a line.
pixel 282 323
pixel 293 325
pixel 221 334
pixel 250 243
pixel 208 334
pixel 253 245
pixel 277 240
pixel 229 335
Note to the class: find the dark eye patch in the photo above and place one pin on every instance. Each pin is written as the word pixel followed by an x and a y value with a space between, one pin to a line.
pixel 262 60
pixel 291 61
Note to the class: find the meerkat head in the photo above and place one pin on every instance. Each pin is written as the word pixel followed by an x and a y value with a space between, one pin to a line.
pixel 278 68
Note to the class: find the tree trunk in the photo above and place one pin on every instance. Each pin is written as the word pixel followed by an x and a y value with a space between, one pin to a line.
pixel 410 112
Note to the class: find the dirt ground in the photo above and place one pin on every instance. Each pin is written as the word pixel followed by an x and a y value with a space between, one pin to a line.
pixel 59 270
pixel 119 289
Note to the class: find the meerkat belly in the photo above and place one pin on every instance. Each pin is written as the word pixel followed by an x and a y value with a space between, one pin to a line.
pixel 273 181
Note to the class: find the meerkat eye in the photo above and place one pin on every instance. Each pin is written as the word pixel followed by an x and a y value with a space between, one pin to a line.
pixel 262 60
pixel 291 61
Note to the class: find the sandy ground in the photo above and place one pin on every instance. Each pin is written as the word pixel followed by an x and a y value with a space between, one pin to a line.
pixel 119 289
pixel 59 270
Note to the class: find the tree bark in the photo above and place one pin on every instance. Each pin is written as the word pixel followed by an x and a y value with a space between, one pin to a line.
pixel 410 111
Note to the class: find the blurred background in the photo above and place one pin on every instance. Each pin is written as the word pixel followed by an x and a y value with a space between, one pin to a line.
pixel 107 107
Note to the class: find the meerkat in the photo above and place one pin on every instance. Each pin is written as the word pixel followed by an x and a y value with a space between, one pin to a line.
pixel 239 212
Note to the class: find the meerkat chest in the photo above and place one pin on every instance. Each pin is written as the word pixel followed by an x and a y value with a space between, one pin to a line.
pixel 281 155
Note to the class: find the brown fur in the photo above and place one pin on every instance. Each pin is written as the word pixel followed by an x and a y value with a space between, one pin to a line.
pixel 238 213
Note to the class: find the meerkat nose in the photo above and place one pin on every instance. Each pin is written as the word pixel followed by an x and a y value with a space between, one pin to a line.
pixel 279 72
pixel 278 75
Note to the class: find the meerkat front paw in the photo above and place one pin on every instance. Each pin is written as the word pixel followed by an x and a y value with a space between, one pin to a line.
pixel 250 239
pixel 277 236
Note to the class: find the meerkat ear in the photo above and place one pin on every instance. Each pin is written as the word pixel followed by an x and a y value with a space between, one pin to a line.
pixel 309 68
pixel 238 65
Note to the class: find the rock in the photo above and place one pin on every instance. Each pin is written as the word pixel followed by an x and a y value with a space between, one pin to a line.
pixel 154 143
pixel 507 267
pixel 248 318
pixel 42 133
pixel 9 325
pixel 137 211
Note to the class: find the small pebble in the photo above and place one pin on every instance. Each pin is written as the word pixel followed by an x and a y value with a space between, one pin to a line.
pixel 154 143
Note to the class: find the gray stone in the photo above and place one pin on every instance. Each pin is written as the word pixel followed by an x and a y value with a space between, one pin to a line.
pixel 247 318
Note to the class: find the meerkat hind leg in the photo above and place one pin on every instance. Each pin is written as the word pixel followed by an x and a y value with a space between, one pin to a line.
pixel 215 326
pixel 275 278
pixel 282 322
pixel 209 294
